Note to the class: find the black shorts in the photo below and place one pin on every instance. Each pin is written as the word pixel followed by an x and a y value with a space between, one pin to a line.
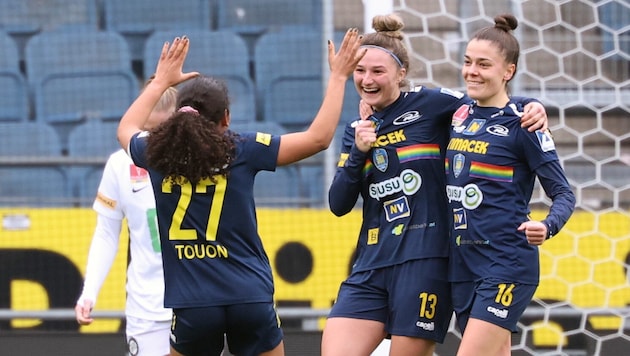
pixel 411 299
pixel 496 301
pixel 250 329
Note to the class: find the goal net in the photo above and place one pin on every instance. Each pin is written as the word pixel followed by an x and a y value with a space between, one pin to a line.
pixel 575 57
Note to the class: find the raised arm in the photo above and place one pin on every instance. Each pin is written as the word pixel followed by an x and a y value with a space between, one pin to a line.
pixel 168 73
pixel 300 145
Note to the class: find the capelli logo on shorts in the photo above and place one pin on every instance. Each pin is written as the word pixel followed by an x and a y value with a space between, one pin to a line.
pixel 499 313
pixel 426 326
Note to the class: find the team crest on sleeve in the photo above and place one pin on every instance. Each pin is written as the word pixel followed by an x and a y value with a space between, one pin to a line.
pixel 263 138
pixel 545 140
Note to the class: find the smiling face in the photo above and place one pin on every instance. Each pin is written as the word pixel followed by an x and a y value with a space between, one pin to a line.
pixel 486 73
pixel 377 78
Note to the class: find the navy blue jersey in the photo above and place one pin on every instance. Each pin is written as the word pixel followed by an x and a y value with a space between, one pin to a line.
pixel 401 180
pixel 491 164
pixel 211 249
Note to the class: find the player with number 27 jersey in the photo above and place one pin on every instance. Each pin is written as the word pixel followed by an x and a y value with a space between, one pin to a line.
pixel 225 210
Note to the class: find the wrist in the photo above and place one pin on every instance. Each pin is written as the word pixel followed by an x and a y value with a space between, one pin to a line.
pixel 550 232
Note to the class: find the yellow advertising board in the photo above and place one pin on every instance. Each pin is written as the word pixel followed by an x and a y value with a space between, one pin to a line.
pixel 43 255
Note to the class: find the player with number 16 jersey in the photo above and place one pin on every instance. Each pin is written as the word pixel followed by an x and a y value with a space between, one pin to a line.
pixel 491 164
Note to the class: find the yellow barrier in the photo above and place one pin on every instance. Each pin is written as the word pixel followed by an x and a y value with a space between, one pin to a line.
pixel 310 252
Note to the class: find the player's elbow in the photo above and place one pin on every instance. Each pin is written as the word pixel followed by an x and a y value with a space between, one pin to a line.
pixel 338 209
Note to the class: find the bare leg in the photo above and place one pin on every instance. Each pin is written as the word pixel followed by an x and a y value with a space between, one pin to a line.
pixel 484 338
pixel 351 337
pixel 411 346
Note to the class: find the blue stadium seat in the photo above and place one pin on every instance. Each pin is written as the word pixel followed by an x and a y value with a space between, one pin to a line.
pixel 252 18
pixel 93 140
pixel 40 184
pixel 77 76
pixel 216 53
pixel 13 88
pixel 313 180
pixel 28 139
pixel 281 188
pixel 24 18
pixel 269 127
pixel 278 189
pixel 33 186
pixel 137 20
pixel 288 71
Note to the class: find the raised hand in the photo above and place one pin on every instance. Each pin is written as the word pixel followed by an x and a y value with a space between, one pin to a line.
pixel 349 55
pixel 169 69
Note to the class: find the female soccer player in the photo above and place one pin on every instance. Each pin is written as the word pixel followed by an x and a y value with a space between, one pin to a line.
pixel 491 166
pixel 125 192
pixel 395 161
pixel 218 278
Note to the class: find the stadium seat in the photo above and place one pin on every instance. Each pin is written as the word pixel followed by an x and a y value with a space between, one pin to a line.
pixel 13 88
pixel 137 20
pixel 278 189
pixel 24 18
pixel 281 188
pixel 314 181
pixel 76 76
pixel 28 139
pixel 289 82
pixel 94 140
pixel 252 18
pixel 22 184
pixel 258 126
pixel 216 53
pixel 288 71
pixel 33 187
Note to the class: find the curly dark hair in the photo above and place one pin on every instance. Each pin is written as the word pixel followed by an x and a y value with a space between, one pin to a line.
pixel 193 144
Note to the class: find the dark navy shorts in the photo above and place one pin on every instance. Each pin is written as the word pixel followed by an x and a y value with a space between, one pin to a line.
pixel 411 299
pixel 492 300
pixel 250 329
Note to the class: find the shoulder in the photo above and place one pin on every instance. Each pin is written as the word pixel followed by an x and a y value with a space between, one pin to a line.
pixel 445 92
pixel 119 156
pixel 118 159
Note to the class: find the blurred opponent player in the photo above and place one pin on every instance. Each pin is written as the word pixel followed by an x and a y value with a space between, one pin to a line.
pixel 125 191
